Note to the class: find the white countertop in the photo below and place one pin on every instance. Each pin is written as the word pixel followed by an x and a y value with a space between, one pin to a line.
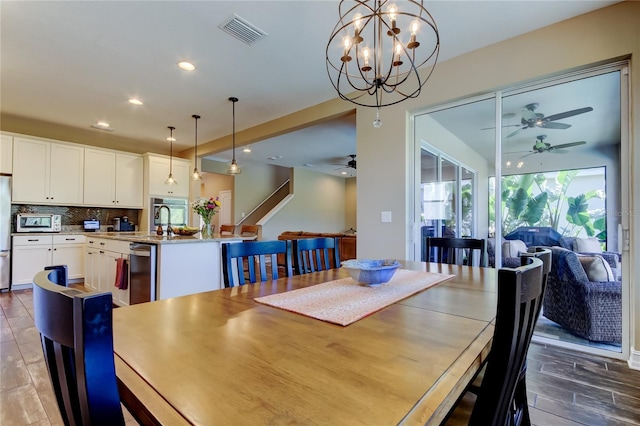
pixel 146 237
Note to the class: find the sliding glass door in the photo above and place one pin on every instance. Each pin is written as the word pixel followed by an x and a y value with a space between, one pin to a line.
pixel 543 164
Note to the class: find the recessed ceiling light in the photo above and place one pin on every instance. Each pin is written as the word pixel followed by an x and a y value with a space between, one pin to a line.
pixel 343 173
pixel 102 125
pixel 246 150
pixel 135 101
pixel 187 66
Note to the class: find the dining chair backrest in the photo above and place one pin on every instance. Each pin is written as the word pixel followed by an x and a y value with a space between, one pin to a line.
pixel 454 250
pixel 315 254
pixel 76 332
pixel 250 231
pixel 59 275
pixel 500 400
pixel 227 229
pixel 545 255
pixel 240 261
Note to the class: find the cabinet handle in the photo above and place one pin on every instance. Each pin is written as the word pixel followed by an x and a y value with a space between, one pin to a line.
pixel 101 244
pixel 33 241
pixel 69 239
pixel 55 249
pixel 101 252
pixel 48 249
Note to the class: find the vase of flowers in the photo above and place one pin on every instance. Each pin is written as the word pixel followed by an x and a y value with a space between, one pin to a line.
pixel 206 208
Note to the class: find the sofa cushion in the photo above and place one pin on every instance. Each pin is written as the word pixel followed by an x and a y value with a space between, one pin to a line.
pixel 513 248
pixel 596 268
pixel 587 245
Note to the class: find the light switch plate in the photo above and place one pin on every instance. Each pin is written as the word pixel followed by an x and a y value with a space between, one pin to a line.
pixel 385 217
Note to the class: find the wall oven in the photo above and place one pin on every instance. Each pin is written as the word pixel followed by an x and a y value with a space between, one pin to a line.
pixel 179 212
pixel 38 222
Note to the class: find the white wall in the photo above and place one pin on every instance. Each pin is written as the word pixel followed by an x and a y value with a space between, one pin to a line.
pixel 318 205
pixel 350 203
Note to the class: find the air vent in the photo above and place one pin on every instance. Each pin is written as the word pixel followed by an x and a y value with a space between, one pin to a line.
pixel 242 30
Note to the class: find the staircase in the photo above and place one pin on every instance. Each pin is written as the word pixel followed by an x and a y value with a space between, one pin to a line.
pixel 269 207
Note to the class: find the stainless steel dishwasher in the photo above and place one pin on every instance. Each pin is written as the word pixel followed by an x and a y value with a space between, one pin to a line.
pixel 142 273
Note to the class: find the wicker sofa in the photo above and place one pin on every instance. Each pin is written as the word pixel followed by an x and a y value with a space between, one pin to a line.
pixel 612 258
pixel 346 241
pixel 589 309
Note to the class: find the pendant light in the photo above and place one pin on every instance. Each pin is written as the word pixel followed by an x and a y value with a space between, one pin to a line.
pixel 196 174
pixel 234 169
pixel 170 180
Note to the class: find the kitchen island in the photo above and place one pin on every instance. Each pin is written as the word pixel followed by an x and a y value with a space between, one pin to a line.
pixel 179 265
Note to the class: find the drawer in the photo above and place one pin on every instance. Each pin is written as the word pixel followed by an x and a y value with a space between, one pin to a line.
pixel 32 240
pixel 118 246
pixel 69 239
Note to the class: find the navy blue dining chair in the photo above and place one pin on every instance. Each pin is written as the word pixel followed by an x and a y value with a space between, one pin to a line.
pixel 315 254
pixel 59 275
pixel 76 331
pixel 241 260
pixel 461 251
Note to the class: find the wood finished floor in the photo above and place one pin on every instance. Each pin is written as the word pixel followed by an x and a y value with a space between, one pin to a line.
pixel 564 387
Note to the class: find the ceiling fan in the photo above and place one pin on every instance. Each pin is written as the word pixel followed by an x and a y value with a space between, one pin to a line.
pixel 531 118
pixel 351 164
pixel 541 146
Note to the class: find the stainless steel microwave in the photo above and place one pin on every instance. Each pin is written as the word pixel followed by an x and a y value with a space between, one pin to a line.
pixel 38 222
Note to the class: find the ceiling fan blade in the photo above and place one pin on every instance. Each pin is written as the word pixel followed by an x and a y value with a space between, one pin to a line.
pixel 552 125
pixel 558 151
pixel 566 114
pixel 506 125
pixel 567 145
pixel 514 152
pixel 531 153
pixel 517 131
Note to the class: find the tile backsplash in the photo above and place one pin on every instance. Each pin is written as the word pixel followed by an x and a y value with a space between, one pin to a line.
pixel 72 217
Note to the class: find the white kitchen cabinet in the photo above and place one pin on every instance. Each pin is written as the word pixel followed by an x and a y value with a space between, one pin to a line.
pixel 101 265
pixel 157 169
pixel 47 173
pixel 69 250
pixel 6 154
pixel 31 253
pixel 113 179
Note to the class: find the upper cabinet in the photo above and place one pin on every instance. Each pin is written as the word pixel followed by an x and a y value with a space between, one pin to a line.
pixel 113 179
pixel 6 154
pixel 157 168
pixel 47 173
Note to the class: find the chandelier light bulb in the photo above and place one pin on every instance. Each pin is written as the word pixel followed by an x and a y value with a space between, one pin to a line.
pixel 357 21
pixel 415 27
pixel 392 10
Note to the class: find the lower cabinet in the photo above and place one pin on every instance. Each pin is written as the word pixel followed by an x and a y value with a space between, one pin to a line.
pixel 31 253
pixel 101 267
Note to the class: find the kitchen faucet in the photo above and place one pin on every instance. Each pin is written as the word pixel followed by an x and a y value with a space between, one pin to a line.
pixel 157 216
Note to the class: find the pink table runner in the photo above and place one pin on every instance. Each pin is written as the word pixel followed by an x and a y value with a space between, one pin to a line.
pixel 344 301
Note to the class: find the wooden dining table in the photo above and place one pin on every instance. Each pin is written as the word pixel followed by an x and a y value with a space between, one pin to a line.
pixel 221 358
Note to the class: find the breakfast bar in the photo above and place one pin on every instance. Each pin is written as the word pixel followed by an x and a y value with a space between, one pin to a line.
pixel 220 357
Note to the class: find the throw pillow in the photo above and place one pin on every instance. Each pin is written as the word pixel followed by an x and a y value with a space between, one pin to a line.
pixel 596 268
pixel 587 245
pixel 513 248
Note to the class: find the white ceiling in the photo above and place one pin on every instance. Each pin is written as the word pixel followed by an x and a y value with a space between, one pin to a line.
pixel 75 63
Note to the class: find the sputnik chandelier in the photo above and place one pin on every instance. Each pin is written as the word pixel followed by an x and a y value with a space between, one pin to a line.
pixel 377 48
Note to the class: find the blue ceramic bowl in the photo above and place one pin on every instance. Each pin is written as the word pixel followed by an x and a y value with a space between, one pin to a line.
pixel 371 272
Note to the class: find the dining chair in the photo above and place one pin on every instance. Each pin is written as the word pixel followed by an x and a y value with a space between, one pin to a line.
pixel 59 274
pixel 502 397
pixel 76 332
pixel 250 231
pixel 454 250
pixel 239 261
pixel 315 254
pixel 227 229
